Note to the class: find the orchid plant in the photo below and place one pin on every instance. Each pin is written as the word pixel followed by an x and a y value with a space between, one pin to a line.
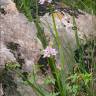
pixel 65 82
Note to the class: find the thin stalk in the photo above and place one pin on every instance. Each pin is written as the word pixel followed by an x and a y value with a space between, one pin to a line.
pixel 58 42
pixel 76 33
pixel 61 79
pixel 56 75
pixel 40 30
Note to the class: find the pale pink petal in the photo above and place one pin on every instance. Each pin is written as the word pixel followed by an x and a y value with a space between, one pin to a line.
pixel 49 1
pixel 41 1
pixel 49 52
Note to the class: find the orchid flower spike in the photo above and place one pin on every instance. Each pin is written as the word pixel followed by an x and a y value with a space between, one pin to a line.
pixel 49 51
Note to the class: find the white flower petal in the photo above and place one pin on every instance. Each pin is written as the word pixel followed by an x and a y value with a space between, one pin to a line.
pixel 41 1
pixel 49 52
pixel 49 1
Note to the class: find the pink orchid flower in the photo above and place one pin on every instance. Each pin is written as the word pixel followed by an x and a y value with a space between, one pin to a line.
pixel 49 51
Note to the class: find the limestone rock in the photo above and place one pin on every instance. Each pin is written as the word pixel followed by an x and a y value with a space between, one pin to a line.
pixel 25 90
pixel 17 37
pixel 18 42
pixel 1 90
pixel 64 22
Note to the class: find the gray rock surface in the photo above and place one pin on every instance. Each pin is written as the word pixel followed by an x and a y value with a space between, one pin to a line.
pixel 18 41
pixel 17 31
pixel 86 26
pixel 1 90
